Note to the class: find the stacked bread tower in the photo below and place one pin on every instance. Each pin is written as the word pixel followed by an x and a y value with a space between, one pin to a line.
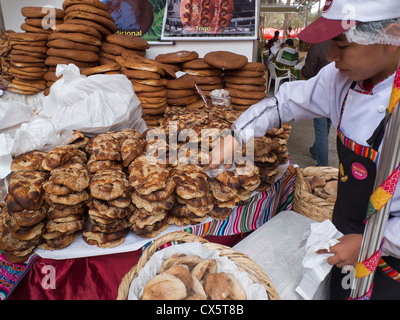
pixel 90 13
pixel 270 151
pixel 27 62
pixel 114 44
pixel 194 198
pixel 22 223
pixel 66 195
pixel 153 196
pixel 149 79
pixel 110 205
pixel 244 80
pixel 75 44
pixel 207 77
pixel 181 92
pixel 246 85
pixel 41 19
pixel 29 49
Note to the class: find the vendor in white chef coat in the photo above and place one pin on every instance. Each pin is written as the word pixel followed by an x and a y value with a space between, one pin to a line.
pixel 354 92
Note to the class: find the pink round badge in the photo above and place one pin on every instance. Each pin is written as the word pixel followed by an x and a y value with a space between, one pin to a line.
pixel 358 170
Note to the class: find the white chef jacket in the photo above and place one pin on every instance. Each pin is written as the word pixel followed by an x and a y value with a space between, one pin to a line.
pixel 322 96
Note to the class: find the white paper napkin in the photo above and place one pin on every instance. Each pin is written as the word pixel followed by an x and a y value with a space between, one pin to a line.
pixel 321 235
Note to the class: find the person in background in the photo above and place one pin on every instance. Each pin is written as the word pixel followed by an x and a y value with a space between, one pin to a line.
pixel 274 40
pixel 354 91
pixel 274 45
pixel 317 59
pixel 286 58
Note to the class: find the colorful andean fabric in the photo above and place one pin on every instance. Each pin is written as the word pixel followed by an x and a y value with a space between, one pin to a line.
pixel 378 200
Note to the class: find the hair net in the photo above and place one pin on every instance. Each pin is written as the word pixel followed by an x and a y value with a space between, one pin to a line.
pixel 376 32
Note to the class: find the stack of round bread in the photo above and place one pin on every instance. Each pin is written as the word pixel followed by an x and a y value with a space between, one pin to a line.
pixel 182 91
pixel 149 80
pixel 70 43
pixel 114 44
pixel 194 198
pixel 175 59
pixel 41 19
pixel 5 56
pixel 153 196
pixel 25 210
pixel 246 85
pixel 110 205
pixel 27 61
pixel 89 13
pixel 66 195
pixel 206 76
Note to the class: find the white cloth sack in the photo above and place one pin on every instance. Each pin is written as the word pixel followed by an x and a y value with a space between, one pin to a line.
pixel 94 104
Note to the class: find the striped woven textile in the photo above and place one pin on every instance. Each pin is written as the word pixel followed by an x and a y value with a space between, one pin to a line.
pixel 260 208
pixel 12 273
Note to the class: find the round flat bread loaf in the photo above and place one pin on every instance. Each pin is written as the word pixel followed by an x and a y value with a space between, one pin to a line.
pixel 146 176
pixel 258 81
pixel 81 15
pixel 30 48
pixel 93 3
pixel 103 30
pixel 37 22
pixel 184 82
pixel 90 9
pixel 177 57
pixel 108 184
pixel 141 74
pixel 31 160
pixel 76 28
pixel 102 69
pixel 84 56
pixel 28 28
pixel 105 240
pixel 214 72
pixel 247 87
pixel 74 176
pixel 26 188
pixel 225 59
pixel 72 198
pixel 128 41
pixel 244 101
pixel 58 156
pixel 60 242
pixel 76 37
pixel 41 12
pixel 244 73
pixel 246 94
pixel 197 63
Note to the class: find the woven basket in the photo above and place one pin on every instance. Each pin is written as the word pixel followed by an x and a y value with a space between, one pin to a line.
pixel 242 261
pixel 308 204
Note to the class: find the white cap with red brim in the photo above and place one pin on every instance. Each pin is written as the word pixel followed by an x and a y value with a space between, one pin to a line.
pixel 339 16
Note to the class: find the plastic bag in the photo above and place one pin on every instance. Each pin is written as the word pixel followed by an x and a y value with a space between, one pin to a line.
pixel 94 104
pixel 13 114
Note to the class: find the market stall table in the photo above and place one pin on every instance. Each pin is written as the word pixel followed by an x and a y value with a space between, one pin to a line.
pixel 97 277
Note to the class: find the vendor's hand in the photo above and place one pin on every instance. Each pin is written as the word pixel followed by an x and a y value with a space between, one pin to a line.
pixel 345 252
pixel 223 150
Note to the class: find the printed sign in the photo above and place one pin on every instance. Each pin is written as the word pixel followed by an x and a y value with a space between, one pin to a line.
pixel 210 19
pixel 142 18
